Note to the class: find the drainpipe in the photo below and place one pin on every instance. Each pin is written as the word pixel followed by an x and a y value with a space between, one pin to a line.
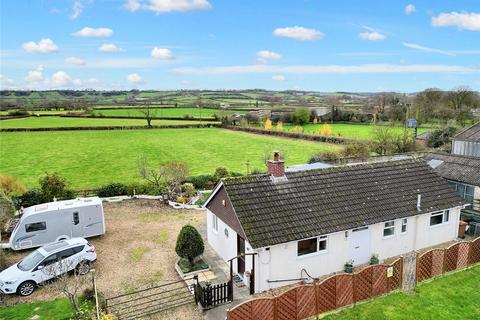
pixel 419 209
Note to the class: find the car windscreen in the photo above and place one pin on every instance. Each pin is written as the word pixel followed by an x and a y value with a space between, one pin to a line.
pixel 30 261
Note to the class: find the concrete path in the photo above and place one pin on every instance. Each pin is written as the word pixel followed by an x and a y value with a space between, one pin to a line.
pixel 221 272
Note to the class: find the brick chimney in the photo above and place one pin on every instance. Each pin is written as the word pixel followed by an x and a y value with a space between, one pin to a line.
pixel 276 167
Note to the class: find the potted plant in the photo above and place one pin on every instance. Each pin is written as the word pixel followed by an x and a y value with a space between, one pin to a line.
pixel 374 259
pixel 348 266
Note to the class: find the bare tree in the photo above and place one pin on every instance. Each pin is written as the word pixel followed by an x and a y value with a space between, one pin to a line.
pixel 69 279
pixel 148 114
pixel 170 174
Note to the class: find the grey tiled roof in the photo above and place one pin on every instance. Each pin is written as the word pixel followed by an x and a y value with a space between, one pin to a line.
pixel 470 134
pixel 455 167
pixel 316 202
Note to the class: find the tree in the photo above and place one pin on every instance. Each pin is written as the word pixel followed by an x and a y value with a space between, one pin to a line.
pixel 11 186
pixel 301 116
pixel 54 186
pixel 67 285
pixel 268 124
pixel 148 114
pixel 189 244
pixel 220 173
pixel 170 174
pixel 441 137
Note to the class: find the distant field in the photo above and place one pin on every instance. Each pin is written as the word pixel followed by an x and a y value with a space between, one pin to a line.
pixel 168 112
pixel 51 122
pixel 89 159
pixel 349 131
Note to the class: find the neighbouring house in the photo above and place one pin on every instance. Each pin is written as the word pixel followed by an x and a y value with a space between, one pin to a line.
pixel 281 224
pixel 467 142
pixel 463 175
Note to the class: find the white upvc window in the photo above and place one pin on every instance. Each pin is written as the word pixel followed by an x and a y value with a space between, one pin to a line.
pixel 439 217
pixel 312 245
pixel 215 223
pixel 404 225
pixel 389 229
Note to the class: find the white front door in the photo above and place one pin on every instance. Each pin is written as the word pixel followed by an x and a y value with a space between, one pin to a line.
pixel 360 245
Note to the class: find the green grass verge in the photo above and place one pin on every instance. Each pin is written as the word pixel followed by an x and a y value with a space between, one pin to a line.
pixel 170 112
pixel 89 159
pixel 58 309
pixel 454 296
pixel 54 122
pixel 349 131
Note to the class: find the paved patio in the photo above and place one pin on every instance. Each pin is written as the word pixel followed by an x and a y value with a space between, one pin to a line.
pixel 219 272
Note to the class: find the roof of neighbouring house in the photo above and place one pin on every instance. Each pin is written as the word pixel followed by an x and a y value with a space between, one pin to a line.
pixel 315 202
pixel 455 167
pixel 470 134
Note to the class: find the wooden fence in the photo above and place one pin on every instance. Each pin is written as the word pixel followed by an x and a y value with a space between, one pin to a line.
pixel 213 295
pixel 438 261
pixel 334 292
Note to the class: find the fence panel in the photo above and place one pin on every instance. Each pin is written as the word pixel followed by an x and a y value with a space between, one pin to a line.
pixel 263 309
pixel 424 266
pixel 437 262
pixel 379 280
pixel 287 305
pixel 474 251
pixel 327 294
pixel 306 304
pixel 463 249
pixel 243 312
pixel 451 258
pixel 363 284
pixel 344 290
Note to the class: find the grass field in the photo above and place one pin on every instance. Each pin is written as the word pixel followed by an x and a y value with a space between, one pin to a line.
pixel 455 296
pixel 89 159
pixel 350 131
pixel 50 122
pixel 168 112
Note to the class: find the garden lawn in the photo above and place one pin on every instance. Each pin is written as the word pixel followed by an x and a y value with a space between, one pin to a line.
pixel 455 296
pixel 59 122
pixel 168 112
pixel 349 131
pixel 89 159
pixel 58 309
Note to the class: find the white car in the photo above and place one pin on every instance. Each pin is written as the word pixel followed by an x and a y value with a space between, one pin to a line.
pixel 45 263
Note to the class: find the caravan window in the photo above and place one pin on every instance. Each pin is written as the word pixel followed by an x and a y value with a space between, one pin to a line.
pixel 76 218
pixel 36 226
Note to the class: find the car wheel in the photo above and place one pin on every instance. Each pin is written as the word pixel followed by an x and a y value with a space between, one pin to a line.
pixel 83 268
pixel 26 288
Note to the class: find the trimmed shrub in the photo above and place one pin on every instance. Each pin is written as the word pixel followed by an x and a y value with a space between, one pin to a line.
pixel 325 157
pixel 201 182
pixel 357 150
pixel 189 244
pixel 112 190
pixel 55 186
pixel 219 174
pixel 188 189
pixel 16 113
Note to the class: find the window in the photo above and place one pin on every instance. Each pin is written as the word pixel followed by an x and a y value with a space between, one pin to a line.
pixel 36 226
pixel 65 254
pixel 389 229
pixel 404 225
pixel 439 217
pixel 78 249
pixel 307 246
pixel 465 191
pixel 49 260
pixel 76 218
pixel 215 223
pixel 312 245
pixel 322 243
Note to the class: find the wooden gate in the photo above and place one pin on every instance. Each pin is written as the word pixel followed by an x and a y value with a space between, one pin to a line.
pixel 209 296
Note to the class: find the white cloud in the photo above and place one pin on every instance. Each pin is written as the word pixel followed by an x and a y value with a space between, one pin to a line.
pixel 134 78
pixel 35 75
pixel 329 69
pixel 161 53
pixel 298 33
pixel 6 83
pixel 92 81
pixel 109 47
pixel 279 78
pixel 93 32
pixel 76 61
pixel 45 45
pixel 77 9
pixel 464 20
pixel 164 6
pixel 265 55
pixel 427 49
pixel 371 36
pixel 409 9
pixel 61 79
pixel 132 5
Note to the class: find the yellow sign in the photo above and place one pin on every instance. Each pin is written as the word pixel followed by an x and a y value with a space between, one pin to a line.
pixel 389 272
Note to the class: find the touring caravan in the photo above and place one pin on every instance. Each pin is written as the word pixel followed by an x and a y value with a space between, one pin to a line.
pixel 58 220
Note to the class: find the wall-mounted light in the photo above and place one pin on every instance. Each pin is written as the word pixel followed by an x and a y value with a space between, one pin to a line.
pixel 346 234
pixel 224 203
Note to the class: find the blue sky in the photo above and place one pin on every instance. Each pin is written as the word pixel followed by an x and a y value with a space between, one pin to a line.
pixel 211 44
